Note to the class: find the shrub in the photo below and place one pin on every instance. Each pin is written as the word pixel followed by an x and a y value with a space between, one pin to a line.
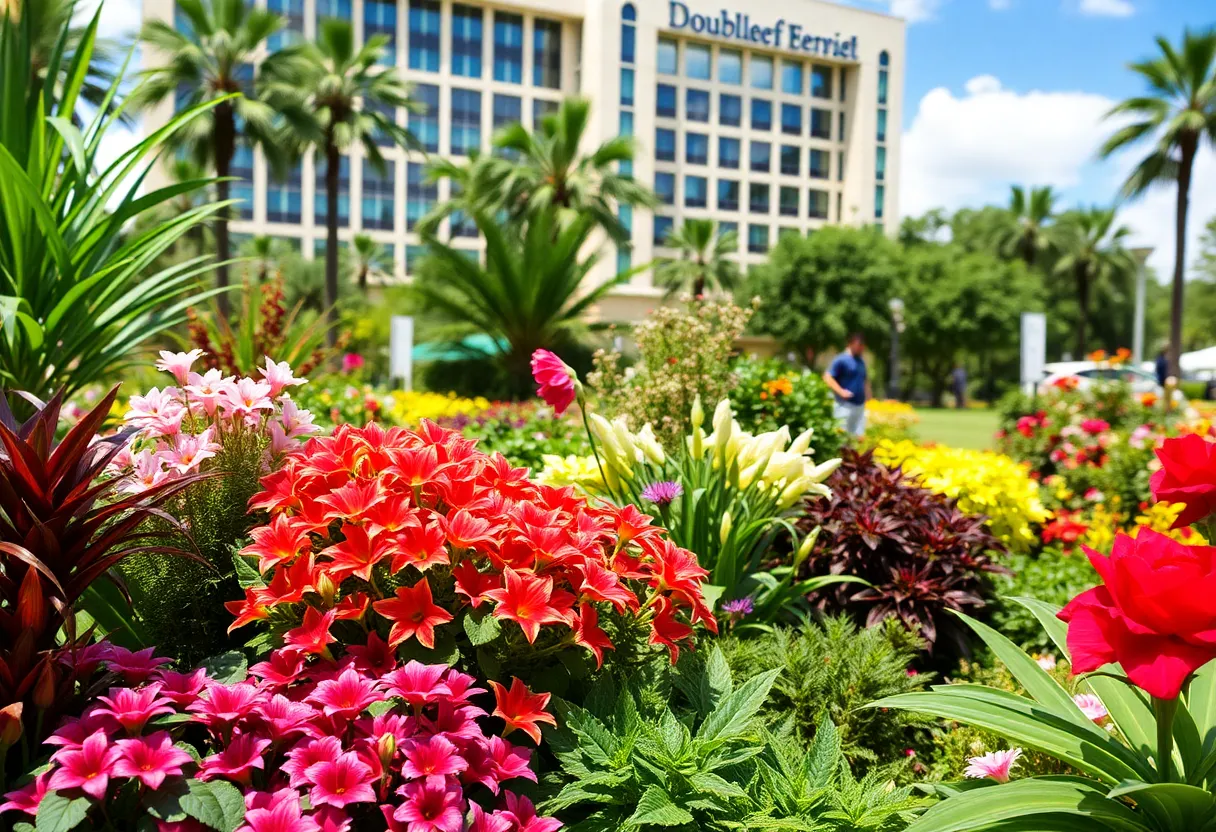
pixel 982 482
pixel 769 394
pixel 1053 576
pixel 891 421
pixel 524 433
pixel 921 554
pixel 832 669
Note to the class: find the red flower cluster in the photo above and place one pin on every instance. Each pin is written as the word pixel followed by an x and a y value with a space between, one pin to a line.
pixel 1066 528
pixel 303 746
pixel 368 508
pixel 1029 425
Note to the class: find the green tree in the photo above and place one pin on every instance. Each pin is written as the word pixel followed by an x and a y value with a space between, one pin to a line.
pixel 976 229
pixel 209 61
pixel 1175 117
pixel 368 257
pixel 1199 321
pixel 923 229
pixel 816 290
pixel 1027 232
pixel 705 261
pixel 1091 248
pixel 341 96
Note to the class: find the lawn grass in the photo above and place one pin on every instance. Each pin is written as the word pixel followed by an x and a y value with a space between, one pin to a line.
pixel 973 429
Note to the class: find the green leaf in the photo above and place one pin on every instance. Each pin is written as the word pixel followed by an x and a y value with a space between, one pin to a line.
pixel 1201 702
pixel 736 711
pixel 656 809
pixel 231 804
pixel 1174 805
pixel 246 574
pixel 1046 613
pixel 710 783
pixel 227 668
pixel 823 759
pixel 57 813
pixel 480 626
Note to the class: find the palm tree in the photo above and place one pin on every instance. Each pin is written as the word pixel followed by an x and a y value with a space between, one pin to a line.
pixel 528 295
pixel 1091 248
pixel 368 257
pixel 342 97
pixel 1025 233
pixel 211 60
pixel 704 262
pixel 1176 116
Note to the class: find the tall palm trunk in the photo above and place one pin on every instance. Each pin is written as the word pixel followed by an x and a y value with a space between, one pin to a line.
pixel 1185 168
pixel 1082 277
pixel 333 161
pixel 225 148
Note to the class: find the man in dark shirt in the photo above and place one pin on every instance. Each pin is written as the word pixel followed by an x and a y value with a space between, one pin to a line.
pixel 850 383
pixel 1163 367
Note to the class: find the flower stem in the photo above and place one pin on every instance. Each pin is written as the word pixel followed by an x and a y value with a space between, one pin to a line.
pixel 1165 710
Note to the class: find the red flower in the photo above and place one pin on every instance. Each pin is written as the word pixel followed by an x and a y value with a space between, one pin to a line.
pixel 1187 475
pixel 587 633
pixel 414 613
pixel 473 584
pixel 312 636
pixel 1095 426
pixel 527 600
pixel 356 555
pixel 554 380
pixel 282 540
pixel 420 547
pixel 521 708
pixel 1155 614
pixel 666 629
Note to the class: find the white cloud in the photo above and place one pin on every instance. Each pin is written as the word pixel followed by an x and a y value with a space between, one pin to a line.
pixel 914 11
pixel 1107 8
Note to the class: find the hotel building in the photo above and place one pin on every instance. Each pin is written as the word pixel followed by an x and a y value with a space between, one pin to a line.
pixel 770 117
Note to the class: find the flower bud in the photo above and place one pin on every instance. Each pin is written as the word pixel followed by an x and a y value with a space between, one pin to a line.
pixel 625 440
pixel 602 430
pixel 386 748
pixel 805 547
pixel 327 589
pixel 698 414
pixel 792 493
pixel 10 725
pixel 823 470
pixel 748 475
pixel 696 443
pixel 649 445
pixel 802 442
pixel 44 688
pixel 724 529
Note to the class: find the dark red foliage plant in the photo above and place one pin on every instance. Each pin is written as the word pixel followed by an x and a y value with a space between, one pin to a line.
pixel 921 555
pixel 62 526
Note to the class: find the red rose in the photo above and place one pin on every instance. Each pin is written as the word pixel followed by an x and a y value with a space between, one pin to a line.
pixel 1187 475
pixel 554 380
pixel 1095 426
pixel 1155 614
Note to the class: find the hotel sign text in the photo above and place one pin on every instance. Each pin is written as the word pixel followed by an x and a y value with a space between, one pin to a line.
pixel 781 35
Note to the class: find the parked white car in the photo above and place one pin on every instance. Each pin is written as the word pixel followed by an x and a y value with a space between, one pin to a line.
pixel 1088 372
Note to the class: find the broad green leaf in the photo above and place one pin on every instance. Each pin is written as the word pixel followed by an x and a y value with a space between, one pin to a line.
pixel 1046 613
pixel 1175 806
pixel 736 711
pixel 58 813
pixel 246 574
pixel 227 668
pixel 657 809
pixel 480 626
pixel 231 803
pixel 1130 712
pixel 823 759
pixel 1083 802
pixel 1201 702
pixel 710 783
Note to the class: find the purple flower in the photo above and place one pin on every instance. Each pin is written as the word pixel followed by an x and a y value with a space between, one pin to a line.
pixel 739 607
pixel 662 493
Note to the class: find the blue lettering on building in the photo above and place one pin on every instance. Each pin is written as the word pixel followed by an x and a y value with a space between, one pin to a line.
pixel 739 26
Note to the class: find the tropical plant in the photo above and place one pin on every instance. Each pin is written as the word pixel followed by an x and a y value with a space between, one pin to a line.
pixel 51 20
pixel 1026 231
pixel 62 530
pixel 1091 248
pixel 1176 116
pixel 339 97
pixel 369 257
pixel 76 294
pixel 705 261
pixel 210 61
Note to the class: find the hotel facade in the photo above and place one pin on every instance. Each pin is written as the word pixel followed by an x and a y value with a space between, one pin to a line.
pixel 770 117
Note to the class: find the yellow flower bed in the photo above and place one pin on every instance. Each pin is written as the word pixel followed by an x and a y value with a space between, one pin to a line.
pixel 983 482
pixel 890 412
pixel 1104 524
pixel 412 407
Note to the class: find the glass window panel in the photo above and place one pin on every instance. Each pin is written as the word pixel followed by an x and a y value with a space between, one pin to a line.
pixel 882 86
pixel 669 62
pixel 791 119
pixel 424 35
pixel 508 47
pixel 547 53
pixel 420 195
pixel 335 9
pixel 817 204
pixel 881 133
pixel 377 201
pixel 662 229
pixel 424 124
pixel 626 123
pixel 626 87
pixel 542 107
pixel 791 160
pixel 762 114
pixel 728 152
pixel 730 110
pixel 761 153
pixel 840 135
pixel 284 200
pixel 821 163
pixel 696 148
pixel 696 105
pixel 821 123
pixel 665 187
pixel 757 198
pixel 791 77
pixel 757 239
pixel 697 62
pixel 289 35
pixel 787 201
pixel 730 66
pixel 380 18
pixel 821 81
pixel 880 193
pixel 696 192
pixel 880 164
pixel 728 195
pixel 665 101
pixel 629 44
pixel 760 72
pixel 466 121
pixel 508 109
pixel 665 144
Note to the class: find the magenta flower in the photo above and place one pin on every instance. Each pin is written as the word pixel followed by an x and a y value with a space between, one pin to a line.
pixel 283 718
pixel 150 759
pixel 132 708
pixel 523 813
pixel 1091 706
pixel 739 607
pixel 457 723
pixel 555 381
pixel 181 688
pixel 73 732
pixel 417 683
pixel 27 798
pixel 996 764
pixel 662 493
pixel 430 805
pixel 134 667
pixel 345 696
pixel 284 666
pixel 278 812
pixel 220 706
pixel 237 761
pixel 178 363
pixel 462 686
pixel 351 362
pixel 87 768
pixel 510 761
pixel 340 782
pixel 432 757
pixel 493 822
pixel 278 376
pixel 306 754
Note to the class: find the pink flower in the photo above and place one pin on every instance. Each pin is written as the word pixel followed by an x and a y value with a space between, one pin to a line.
pixel 995 764
pixel 149 471
pixel 27 798
pixel 555 381
pixel 88 768
pixel 340 782
pixel 150 759
pixel 1091 706
pixel 308 753
pixel 1047 661
pixel 285 719
pixel 178 363
pixel 132 708
pixel 205 389
pixel 220 706
pixel 279 376
pixel 345 696
pixel 134 667
pixel 521 811
pixel 493 822
pixel 280 816
pixel 1095 426
pixel 417 683
pixel 245 396
pixel 432 757
pixel 296 422
pixel 181 688
pixel 157 409
pixel 237 761
pixel 351 362
pixel 430 806
pixel 280 670
pixel 192 450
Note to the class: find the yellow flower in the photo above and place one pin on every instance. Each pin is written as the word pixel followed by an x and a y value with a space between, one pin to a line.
pixel 412 407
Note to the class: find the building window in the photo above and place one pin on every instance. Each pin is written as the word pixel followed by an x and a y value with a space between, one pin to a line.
pixel 821 81
pixel 291 34
pixel 762 114
pixel 665 187
pixel 817 204
pixel 380 18
pixel 378 195
pixel 839 206
pixel 791 160
pixel 461 224
pixel 728 195
pixel 696 192
pixel 624 260
pixel 757 239
pixel 880 192
pixel 696 148
pixel 882 126
pixel 320 214
pixel 840 128
pixel 880 164
pixel 242 168
pixel 466 121
pixel 626 123
pixel 662 230
pixel 665 144
pixel 547 54
pixel 840 166
pixel 413 256
pixel 760 72
pixel 760 156
pixel 625 215
pixel 696 105
pixel 697 62
pixel 884 59
pixel 424 123
pixel 882 86
pixel 334 9
pixel 791 119
pixel 284 200
pixel 665 101
pixel 728 152
pixel 821 123
pixel 381 137
pixel 757 198
pixel 730 66
pixel 725 228
pixel 420 195
pixel 542 107
pixel 668 57
pixel 791 77
pixel 629 34
pixel 821 164
pixel 508 47
pixel 730 110
pixel 424 35
pixel 844 85
pixel 626 87
pixel 787 201
pixel 507 109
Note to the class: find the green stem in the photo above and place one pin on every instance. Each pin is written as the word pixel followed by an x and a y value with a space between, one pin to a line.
pixel 1165 710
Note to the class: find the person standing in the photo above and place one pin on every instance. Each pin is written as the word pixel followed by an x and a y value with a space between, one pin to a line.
pixel 958 381
pixel 850 384
pixel 1162 367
